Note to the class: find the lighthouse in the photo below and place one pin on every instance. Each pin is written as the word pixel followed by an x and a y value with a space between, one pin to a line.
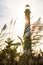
pixel 27 37
pixel 27 14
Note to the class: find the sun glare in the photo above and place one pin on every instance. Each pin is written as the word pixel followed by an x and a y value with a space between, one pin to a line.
pixel 18 29
pixel 16 11
pixel 19 26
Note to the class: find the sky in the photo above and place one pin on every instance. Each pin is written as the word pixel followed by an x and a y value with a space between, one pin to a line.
pixel 15 9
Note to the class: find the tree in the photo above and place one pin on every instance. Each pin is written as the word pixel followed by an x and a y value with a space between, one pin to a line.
pixel 9 53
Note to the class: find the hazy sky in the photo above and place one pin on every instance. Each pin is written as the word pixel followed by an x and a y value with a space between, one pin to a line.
pixel 10 8
pixel 15 8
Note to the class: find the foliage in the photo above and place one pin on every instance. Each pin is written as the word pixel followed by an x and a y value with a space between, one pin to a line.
pixel 4 27
pixel 8 54
pixel 23 59
pixel 27 43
